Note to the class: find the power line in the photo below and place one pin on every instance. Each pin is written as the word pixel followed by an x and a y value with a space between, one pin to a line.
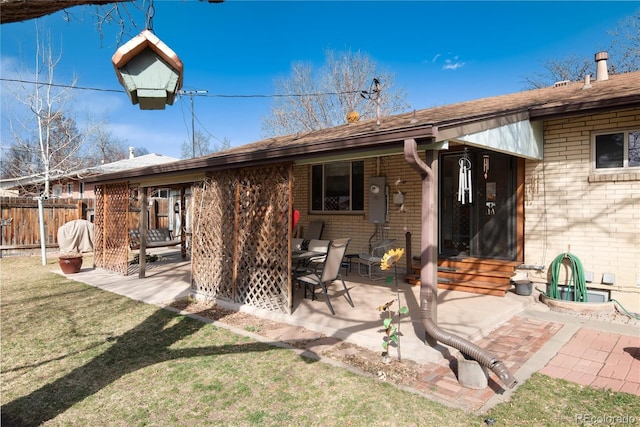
pixel 191 94
pixel 61 85
pixel 205 95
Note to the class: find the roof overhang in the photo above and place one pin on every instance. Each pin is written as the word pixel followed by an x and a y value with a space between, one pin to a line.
pixel 366 144
pixel 515 135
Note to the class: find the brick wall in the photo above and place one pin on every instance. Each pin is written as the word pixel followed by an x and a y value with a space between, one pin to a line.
pixel 595 216
pixel 357 226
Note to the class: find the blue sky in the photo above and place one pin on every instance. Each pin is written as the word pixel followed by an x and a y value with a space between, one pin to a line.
pixel 440 53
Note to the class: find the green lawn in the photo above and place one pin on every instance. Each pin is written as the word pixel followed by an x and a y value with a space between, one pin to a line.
pixel 74 355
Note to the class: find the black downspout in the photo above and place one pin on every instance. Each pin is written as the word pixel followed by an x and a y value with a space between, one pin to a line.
pixel 429 274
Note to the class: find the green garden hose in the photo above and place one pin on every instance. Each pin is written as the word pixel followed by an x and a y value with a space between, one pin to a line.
pixel 576 280
pixel 624 310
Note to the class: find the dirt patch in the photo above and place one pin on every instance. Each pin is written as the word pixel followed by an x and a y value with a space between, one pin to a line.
pixel 404 372
pixel 391 369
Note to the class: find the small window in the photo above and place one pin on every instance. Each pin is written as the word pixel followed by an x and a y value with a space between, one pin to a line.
pixel 617 150
pixel 56 190
pixel 337 186
pixel 81 189
pixel 69 189
pixel 161 193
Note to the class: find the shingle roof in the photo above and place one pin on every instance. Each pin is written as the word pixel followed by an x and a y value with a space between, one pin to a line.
pixel 152 159
pixel 107 168
pixel 539 103
pixel 619 91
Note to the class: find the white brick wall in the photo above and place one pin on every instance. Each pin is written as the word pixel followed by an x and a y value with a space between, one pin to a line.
pixel 596 217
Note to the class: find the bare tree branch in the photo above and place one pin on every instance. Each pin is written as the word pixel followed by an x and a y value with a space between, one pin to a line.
pixel 46 140
pixel 624 57
pixel 626 46
pixel 24 10
pixel 322 100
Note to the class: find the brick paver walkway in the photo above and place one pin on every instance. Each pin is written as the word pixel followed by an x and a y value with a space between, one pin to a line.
pixel 514 343
pixel 599 359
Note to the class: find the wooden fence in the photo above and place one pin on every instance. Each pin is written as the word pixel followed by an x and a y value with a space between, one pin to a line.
pixel 19 220
pixel 20 226
pixel 158 212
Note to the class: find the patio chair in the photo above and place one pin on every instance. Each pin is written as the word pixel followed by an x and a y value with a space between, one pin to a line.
pixel 373 258
pixel 314 232
pixel 330 273
pixel 321 246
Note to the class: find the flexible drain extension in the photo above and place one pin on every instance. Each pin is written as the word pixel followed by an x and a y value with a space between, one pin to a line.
pixel 428 272
pixel 482 356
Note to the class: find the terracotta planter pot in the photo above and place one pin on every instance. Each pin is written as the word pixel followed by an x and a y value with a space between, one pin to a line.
pixel 70 265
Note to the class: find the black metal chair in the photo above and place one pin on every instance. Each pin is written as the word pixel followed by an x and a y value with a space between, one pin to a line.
pixel 330 272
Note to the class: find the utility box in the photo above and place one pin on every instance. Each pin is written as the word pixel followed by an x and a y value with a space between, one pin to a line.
pixel 377 200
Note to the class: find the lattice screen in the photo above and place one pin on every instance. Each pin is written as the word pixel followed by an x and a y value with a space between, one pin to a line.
pixel 111 236
pixel 240 237
pixel 212 241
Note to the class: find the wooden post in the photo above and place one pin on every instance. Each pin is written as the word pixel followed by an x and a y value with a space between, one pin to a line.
pixel 407 245
pixel 143 226
pixel 289 237
pixel 236 252
pixel 430 221
pixel 183 223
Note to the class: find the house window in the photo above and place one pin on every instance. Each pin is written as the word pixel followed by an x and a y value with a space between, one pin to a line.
pixel 69 189
pixel 56 190
pixel 81 189
pixel 617 150
pixel 162 193
pixel 337 186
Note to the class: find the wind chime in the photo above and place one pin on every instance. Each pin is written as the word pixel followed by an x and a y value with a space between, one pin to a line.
pixel 464 179
pixel 485 165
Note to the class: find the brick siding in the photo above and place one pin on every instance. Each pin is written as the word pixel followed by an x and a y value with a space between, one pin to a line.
pixel 595 216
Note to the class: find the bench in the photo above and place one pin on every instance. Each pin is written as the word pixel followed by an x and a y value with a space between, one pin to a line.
pixel 157 238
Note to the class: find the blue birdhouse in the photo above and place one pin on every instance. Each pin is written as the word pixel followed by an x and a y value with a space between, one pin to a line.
pixel 149 70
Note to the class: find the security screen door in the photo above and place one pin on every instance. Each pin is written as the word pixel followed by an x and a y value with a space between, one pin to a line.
pixel 484 224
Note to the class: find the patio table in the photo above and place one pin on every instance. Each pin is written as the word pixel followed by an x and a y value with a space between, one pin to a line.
pixel 303 258
pixel 305 255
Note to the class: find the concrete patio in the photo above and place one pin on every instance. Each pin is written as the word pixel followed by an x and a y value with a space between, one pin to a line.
pixel 466 315
pixel 516 329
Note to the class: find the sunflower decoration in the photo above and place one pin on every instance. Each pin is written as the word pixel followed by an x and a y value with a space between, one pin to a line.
pixel 390 258
pixel 392 332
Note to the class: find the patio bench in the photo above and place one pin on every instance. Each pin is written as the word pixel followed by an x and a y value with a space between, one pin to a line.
pixel 157 238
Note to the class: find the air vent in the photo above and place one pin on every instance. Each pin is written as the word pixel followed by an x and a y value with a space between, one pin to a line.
pixel 562 83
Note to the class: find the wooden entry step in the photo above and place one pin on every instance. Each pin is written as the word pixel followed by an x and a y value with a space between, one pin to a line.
pixel 473 275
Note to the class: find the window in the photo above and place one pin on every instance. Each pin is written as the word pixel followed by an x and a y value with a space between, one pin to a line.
pixel 70 189
pixel 81 189
pixel 161 193
pixel 617 150
pixel 56 190
pixel 337 186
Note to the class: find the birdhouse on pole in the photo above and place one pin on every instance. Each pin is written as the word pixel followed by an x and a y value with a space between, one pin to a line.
pixel 149 70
